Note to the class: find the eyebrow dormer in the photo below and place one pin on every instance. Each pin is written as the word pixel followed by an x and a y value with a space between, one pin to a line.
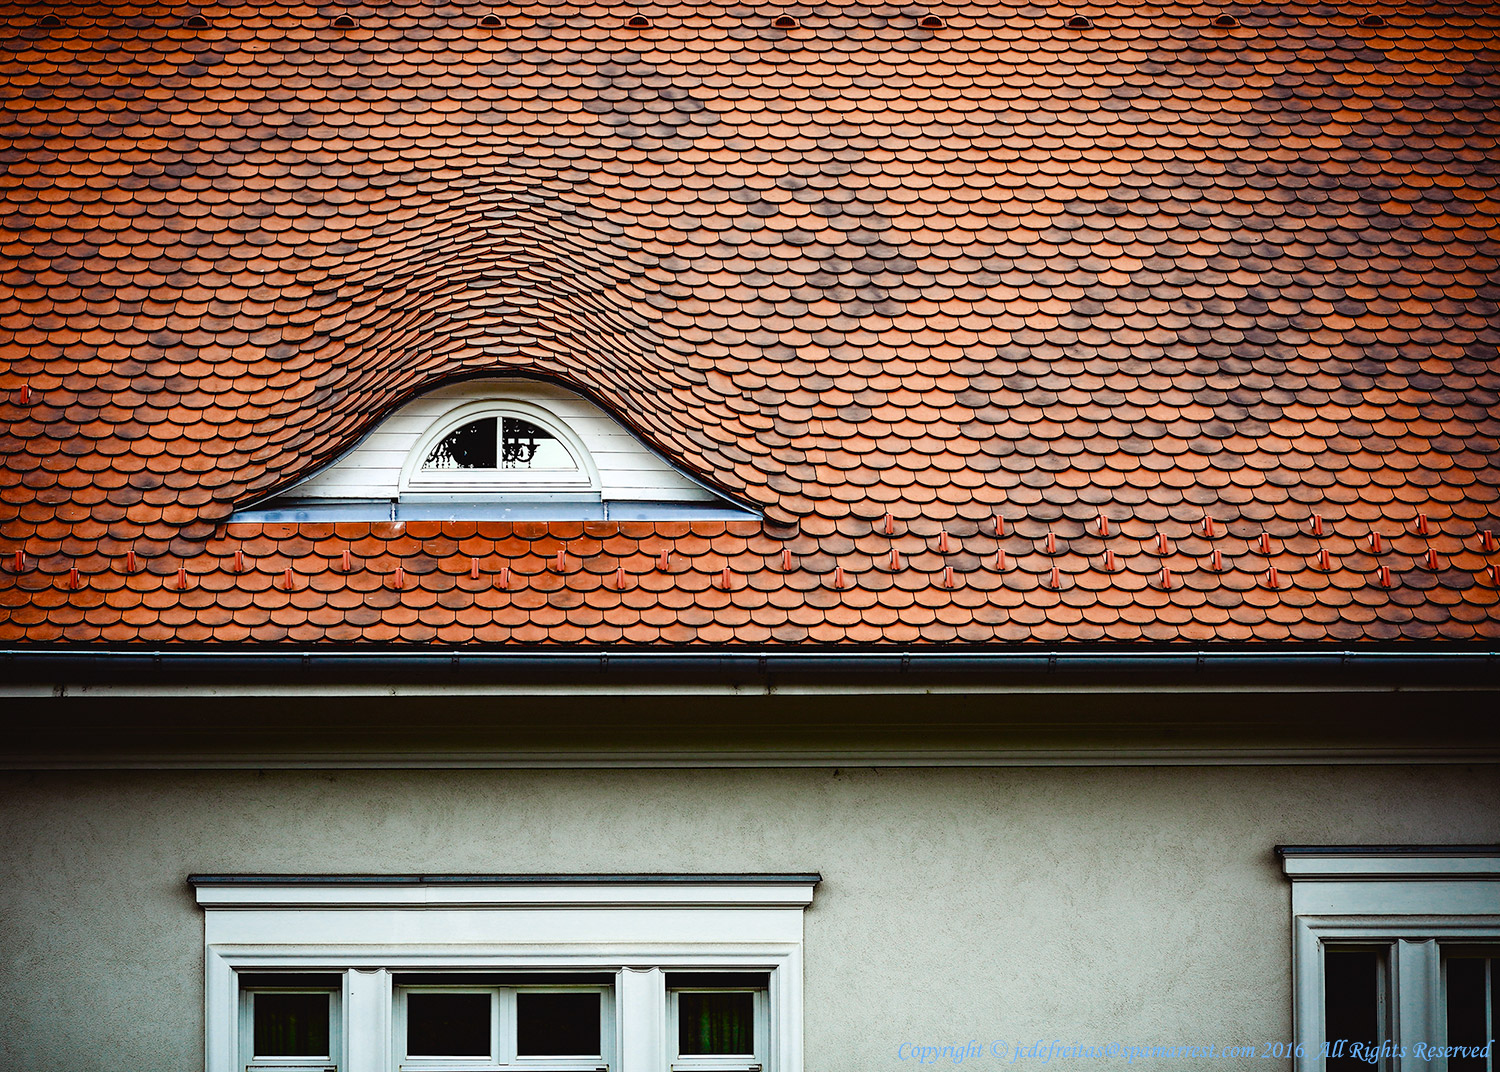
pixel 498 450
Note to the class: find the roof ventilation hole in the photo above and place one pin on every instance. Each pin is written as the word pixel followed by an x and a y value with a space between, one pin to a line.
pixel 49 21
pixel 785 22
pixel 492 20
pixel 638 22
pixel 1372 21
pixel 1226 21
pixel 1080 22
pixel 344 22
pixel 196 22
pixel 931 22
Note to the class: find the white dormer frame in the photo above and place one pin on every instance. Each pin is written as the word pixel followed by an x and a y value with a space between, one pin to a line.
pixel 416 481
pixel 620 477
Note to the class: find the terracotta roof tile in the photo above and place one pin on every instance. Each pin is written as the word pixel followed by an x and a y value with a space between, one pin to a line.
pixel 828 285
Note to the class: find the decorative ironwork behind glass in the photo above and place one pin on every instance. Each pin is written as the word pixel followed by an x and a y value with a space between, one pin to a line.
pixel 492 443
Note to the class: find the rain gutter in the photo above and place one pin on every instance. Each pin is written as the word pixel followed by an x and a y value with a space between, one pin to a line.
pixel 1464 669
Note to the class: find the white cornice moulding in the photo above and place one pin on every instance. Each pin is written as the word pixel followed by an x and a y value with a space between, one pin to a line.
pixel 1458 863
pixel 367 891
pixel 757 758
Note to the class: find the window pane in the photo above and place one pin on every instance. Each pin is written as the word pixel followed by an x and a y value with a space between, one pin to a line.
pixel 291 1025
pixel 715 1023
pixel 526 446
pixel 1351 1011
pixel 447 1025
pixel 557 1025
pixel 1467 1002
pixel 470 447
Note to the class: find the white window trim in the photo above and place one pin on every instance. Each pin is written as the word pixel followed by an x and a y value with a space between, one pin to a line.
pixel 1409 898
pixel 418 481
pixel 299 1063
pixel 638 927
pixel 681 1062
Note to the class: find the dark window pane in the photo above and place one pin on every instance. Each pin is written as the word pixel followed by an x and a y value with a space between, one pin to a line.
pixel 470 447
pixel 447 1025
pixel 1466 1011
pixel 290 980
pixel 1351 1010
pixel 291 1025
pixel 557 1025
pixel 717 980
pixel 715 1023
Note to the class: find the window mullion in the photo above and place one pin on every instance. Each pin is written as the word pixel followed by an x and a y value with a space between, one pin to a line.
pixel 641 1014
pixel 505 1027
pixel 367 1019
pixel 1419 1003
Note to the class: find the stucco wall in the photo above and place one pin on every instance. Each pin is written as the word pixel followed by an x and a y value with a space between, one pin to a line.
pixel 1086 904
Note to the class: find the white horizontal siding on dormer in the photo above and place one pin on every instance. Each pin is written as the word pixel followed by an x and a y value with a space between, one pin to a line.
pixel 628 469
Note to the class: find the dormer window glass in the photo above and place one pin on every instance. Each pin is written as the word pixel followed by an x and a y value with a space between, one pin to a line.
pixel 500 447
pixel 493 443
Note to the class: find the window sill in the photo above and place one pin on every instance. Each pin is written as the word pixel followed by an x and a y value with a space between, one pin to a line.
pixel 480 510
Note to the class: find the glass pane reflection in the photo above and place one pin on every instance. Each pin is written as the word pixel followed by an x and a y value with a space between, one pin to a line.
pixel 291 1025
pixel 448 1025
pixel 557 1025
pixel 715 1023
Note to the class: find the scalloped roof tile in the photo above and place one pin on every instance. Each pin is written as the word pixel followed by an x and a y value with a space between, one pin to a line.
pixel 885 282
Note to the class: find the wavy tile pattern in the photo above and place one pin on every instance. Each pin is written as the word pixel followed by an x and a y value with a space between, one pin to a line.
pixel 936 287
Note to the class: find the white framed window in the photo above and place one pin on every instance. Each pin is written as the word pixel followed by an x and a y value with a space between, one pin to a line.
pixel 557 1025
pixel 717 1023
pixel 505 974
pixel 1393 957
pixel 290 1023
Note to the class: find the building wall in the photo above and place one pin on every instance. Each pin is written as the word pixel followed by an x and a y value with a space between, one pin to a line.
pixel 1134 904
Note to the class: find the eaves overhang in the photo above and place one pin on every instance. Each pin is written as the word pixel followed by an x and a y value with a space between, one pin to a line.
pixel 321 708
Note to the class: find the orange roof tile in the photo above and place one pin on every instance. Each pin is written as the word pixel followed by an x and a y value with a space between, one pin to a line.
pixel 1152 270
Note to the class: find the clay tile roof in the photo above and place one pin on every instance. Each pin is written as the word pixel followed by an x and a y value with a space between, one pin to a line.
pixel 887 283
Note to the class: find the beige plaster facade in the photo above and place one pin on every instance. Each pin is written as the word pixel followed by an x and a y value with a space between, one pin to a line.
pixel 1085 903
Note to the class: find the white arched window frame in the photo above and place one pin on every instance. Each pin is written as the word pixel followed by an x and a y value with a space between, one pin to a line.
pixel 416 479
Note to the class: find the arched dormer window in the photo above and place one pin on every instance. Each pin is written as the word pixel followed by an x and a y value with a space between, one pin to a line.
pixel 499 446
pixel 502 450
